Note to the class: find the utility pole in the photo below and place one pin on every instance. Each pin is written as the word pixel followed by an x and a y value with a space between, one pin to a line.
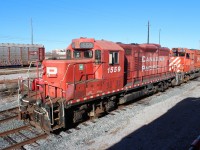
pixel 159 35
pixel 31 32
pixel 148 33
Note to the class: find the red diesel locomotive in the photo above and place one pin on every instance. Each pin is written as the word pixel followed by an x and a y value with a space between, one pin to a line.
pixel 185 62
pixel 95 77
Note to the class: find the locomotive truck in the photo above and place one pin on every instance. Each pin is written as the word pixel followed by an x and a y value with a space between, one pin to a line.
pixel 95 77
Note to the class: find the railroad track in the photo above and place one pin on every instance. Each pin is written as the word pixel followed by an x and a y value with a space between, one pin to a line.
pixel 9 114
pixel 18 137
pixel 26 134
pixel 8 71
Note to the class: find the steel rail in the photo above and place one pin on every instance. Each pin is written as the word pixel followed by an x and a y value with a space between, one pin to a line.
pixel 9 110
pixel 14 130
pixel 17 145
pixel 8 118
pixel 28 141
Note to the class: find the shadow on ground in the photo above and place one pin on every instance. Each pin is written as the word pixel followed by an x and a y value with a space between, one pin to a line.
pixel 175 130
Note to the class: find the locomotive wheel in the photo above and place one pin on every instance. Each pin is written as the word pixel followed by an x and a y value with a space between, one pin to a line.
pixel 166 85
pixel 161 87
pixel 186 79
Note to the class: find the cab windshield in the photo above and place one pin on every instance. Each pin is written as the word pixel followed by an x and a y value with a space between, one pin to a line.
pixel 80 54
pixel 178 54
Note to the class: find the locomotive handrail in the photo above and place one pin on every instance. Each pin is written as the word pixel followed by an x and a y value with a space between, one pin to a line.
pixel 28 72
pixel 30 67
pixel 21 84
pixel 51 104
pixel 28 92
pixel 67 70
pixel 74 64
pixel 18 95
pixel 64 91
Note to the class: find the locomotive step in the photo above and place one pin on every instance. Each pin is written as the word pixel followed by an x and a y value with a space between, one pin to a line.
pixel 57 119
pixel 56 111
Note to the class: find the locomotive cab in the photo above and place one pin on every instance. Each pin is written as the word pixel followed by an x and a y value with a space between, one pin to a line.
pixel 182 62
pixel 182 59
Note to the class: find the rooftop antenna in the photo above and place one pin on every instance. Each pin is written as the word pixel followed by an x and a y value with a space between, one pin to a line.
pixel 148 33
pixel 31 31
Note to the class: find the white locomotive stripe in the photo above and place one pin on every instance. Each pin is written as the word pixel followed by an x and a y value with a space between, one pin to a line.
pixel 177 62
pixel 174 60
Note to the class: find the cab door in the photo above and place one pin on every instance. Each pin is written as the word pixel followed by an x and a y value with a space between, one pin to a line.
pixel 113 70
pixel 80 80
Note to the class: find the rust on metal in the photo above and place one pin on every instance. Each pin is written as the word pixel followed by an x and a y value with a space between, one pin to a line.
pixel 9 110
pixel 9 118
pixel 14 130
pixel 28 141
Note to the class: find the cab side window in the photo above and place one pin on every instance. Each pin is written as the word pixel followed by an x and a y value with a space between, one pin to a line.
pixel 88 54
pixel 68 54
pixel 97 56
pixel 113 58
pixel 187 56
pixel 77 54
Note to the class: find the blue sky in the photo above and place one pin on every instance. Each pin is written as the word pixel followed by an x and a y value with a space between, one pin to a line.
pixel 57 22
